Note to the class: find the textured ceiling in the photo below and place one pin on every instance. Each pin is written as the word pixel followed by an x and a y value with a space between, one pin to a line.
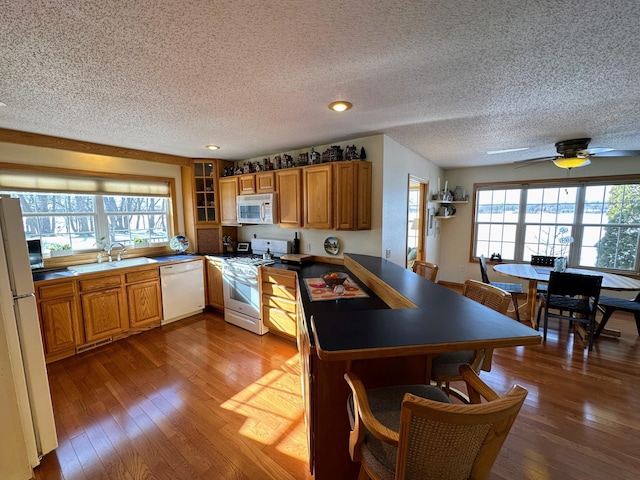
pixel 449 80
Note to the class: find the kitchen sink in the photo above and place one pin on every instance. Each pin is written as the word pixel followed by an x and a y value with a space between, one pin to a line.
pixel 108 266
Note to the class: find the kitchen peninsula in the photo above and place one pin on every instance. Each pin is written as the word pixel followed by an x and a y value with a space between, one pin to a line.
pixel 383 346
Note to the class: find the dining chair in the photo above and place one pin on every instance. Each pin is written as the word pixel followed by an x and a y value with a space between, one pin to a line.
pixel 514 289
pixel 608 305
pixel 425 269
pixel 571 294
pixel 414 431
pixel 445 367
pixel 542 261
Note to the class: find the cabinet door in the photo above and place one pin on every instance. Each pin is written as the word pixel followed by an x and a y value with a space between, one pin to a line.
pixel 345 195
pixel 215 297
pixel 59 320
pixel 352 200
pixel 104 313
pixel 318 197
pixel 145 303
pixel 228 194
pixel 289 197
pixel 364 171
pixel 247 184
pixel 266 182
pixel 204 188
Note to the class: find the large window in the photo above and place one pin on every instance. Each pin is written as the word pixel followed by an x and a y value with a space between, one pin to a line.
pixel 594 225
pixel 65 221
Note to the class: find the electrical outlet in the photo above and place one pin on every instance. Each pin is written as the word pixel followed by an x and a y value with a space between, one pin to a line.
pixel 307 248
pixel 462 268
pixel 388 253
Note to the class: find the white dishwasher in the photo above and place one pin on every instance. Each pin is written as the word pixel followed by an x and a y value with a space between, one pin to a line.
pixel 182 290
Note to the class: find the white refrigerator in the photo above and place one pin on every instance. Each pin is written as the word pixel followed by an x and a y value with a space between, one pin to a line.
pixel 27 427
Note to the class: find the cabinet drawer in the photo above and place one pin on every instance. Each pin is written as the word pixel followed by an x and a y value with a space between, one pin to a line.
pixel 280 322
pixel 269 276
pixel 56 290
pixel 100 283
pixel 280 303
pixel 140 276
pixel 279 291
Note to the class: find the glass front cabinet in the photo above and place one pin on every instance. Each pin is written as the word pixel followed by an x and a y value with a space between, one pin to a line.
pixel 205 190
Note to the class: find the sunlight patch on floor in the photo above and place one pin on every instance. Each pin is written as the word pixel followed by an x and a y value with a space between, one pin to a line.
pixel 273 409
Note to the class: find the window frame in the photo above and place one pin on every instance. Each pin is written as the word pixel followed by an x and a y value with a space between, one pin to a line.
pixel 577 225
pixel 103 177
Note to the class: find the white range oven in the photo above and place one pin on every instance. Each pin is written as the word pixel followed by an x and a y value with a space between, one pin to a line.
pixel 240 285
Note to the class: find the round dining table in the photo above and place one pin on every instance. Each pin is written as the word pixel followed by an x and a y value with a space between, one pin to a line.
pixel 536 273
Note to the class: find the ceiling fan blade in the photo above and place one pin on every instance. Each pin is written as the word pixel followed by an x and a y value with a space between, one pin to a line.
pixel 530 161
pixel 618 153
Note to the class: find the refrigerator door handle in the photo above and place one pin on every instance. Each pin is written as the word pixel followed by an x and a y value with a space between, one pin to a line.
pixel 26 295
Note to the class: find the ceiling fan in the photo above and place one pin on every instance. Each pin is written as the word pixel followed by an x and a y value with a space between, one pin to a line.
pixel 575 153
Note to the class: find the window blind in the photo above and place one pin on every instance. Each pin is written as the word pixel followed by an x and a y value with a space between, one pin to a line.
pixel 58 183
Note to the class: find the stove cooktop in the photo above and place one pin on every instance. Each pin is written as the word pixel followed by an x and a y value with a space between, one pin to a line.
pixel 257 261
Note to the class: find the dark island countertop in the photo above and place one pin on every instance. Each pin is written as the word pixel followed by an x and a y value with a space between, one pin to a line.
pixel 438 320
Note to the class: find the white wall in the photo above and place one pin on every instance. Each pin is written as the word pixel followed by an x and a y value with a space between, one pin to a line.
pixel 456 232
pixel 399 164
pixel 51 157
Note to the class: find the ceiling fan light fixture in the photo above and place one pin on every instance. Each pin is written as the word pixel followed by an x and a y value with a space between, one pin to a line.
pixel 571 162
pixel 340 106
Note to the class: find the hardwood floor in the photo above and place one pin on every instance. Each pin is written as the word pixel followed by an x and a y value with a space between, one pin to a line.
pixel 201 399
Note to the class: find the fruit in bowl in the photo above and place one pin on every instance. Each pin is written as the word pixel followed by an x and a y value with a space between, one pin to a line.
pixel 332 279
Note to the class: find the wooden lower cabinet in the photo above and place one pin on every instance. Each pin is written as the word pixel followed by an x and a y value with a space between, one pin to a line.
pixel 144 298
pixel 215 295
pixel 104 313
pixel 81 313
pixel 59 319
pixel 279 293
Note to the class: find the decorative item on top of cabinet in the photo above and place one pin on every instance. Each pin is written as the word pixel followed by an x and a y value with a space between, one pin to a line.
pixel 289 188
pixel 279 294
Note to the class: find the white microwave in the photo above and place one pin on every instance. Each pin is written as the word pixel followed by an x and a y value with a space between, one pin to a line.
pixel 257 209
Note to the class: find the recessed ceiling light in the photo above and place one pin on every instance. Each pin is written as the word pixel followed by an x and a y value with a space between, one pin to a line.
pixel 508 150
pixel 340 106
pixel 211 146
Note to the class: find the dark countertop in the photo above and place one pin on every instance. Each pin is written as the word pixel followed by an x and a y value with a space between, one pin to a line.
pixel 443 321
pixel 57 273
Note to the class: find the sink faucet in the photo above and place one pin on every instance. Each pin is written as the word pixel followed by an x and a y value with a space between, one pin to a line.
pixel 108 249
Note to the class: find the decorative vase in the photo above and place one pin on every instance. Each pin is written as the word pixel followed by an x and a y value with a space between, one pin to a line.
pixel 560 264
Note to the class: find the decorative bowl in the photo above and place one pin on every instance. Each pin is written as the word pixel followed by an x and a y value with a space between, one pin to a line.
pixel 334 278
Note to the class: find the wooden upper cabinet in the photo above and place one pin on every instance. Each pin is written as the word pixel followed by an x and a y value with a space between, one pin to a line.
pixel 318 196
pixel 229 188
pixel 265 182
pixel 289 188
pixel 247 184
pixel 352 200
pixel 204 178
